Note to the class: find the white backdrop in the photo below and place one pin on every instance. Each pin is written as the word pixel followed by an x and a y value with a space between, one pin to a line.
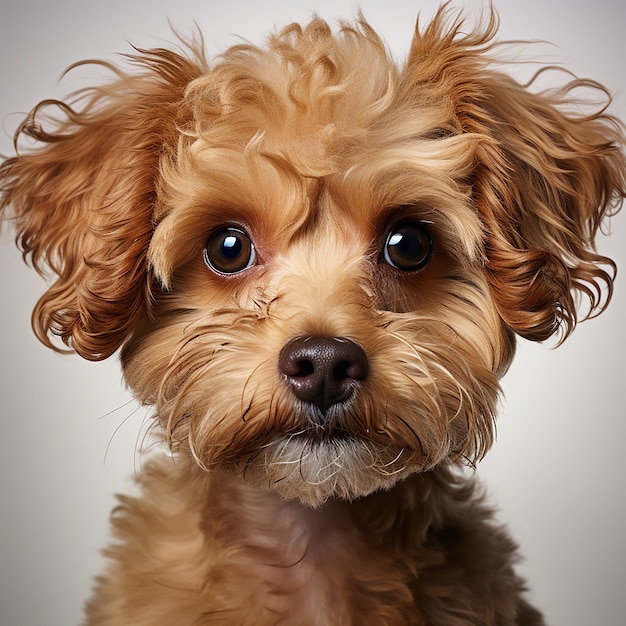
pixel 68 432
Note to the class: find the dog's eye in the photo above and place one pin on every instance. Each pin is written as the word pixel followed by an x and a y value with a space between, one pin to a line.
pixel 408 247
pixel 229 251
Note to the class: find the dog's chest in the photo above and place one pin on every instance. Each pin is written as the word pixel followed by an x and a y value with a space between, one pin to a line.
pixel 299 563
pixel 275 562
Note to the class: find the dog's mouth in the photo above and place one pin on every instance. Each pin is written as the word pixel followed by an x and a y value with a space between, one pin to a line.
pixel 321 436
pixel 337 421
pixel 342 423
pixel 316 432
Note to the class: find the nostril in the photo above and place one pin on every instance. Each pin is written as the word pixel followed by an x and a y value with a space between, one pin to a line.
pixel 323 370
pixel 341 370
pixel 356 369
pixel 301 368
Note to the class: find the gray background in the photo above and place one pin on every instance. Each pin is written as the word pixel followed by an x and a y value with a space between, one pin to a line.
pixel 68 430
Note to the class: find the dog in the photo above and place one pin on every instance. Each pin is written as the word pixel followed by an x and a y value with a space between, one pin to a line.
pixel 315 263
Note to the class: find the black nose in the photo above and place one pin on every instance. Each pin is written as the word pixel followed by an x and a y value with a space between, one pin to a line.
pixel 323 370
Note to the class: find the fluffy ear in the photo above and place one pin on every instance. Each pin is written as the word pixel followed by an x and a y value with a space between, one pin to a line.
pixel 544 186
pixel 546 175
pixel 82 198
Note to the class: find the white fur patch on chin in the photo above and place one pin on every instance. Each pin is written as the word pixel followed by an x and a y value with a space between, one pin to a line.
pixel 314 470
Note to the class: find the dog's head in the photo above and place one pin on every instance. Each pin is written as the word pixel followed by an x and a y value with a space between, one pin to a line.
pixel 316 261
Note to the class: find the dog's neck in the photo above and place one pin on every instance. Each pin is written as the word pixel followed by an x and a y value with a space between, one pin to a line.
pixel 284 543
pixel 309 558
pixel 260 512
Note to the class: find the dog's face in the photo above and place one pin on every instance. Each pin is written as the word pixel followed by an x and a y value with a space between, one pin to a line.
pixel 324 331
pixel 315 261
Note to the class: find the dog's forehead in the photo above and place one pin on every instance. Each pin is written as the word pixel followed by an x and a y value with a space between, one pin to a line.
pixel 268 188
pixel 279 186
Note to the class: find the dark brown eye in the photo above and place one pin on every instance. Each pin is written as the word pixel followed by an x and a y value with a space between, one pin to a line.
pixel 229 251
pixel 408 247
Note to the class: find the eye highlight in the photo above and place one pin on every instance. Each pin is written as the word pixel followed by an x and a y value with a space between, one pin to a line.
pixel 408 246
pixel 229 251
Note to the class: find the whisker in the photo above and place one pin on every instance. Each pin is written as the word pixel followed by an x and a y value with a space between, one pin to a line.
pixel 118 408
pixel 118 427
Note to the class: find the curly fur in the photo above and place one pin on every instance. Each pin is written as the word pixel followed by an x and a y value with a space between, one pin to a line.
pixel 269 511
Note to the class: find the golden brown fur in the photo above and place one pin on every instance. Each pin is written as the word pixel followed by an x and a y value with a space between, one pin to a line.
pixel 277 508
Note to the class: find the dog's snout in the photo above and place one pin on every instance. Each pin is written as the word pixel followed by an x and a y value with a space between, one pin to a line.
pixel 323 370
